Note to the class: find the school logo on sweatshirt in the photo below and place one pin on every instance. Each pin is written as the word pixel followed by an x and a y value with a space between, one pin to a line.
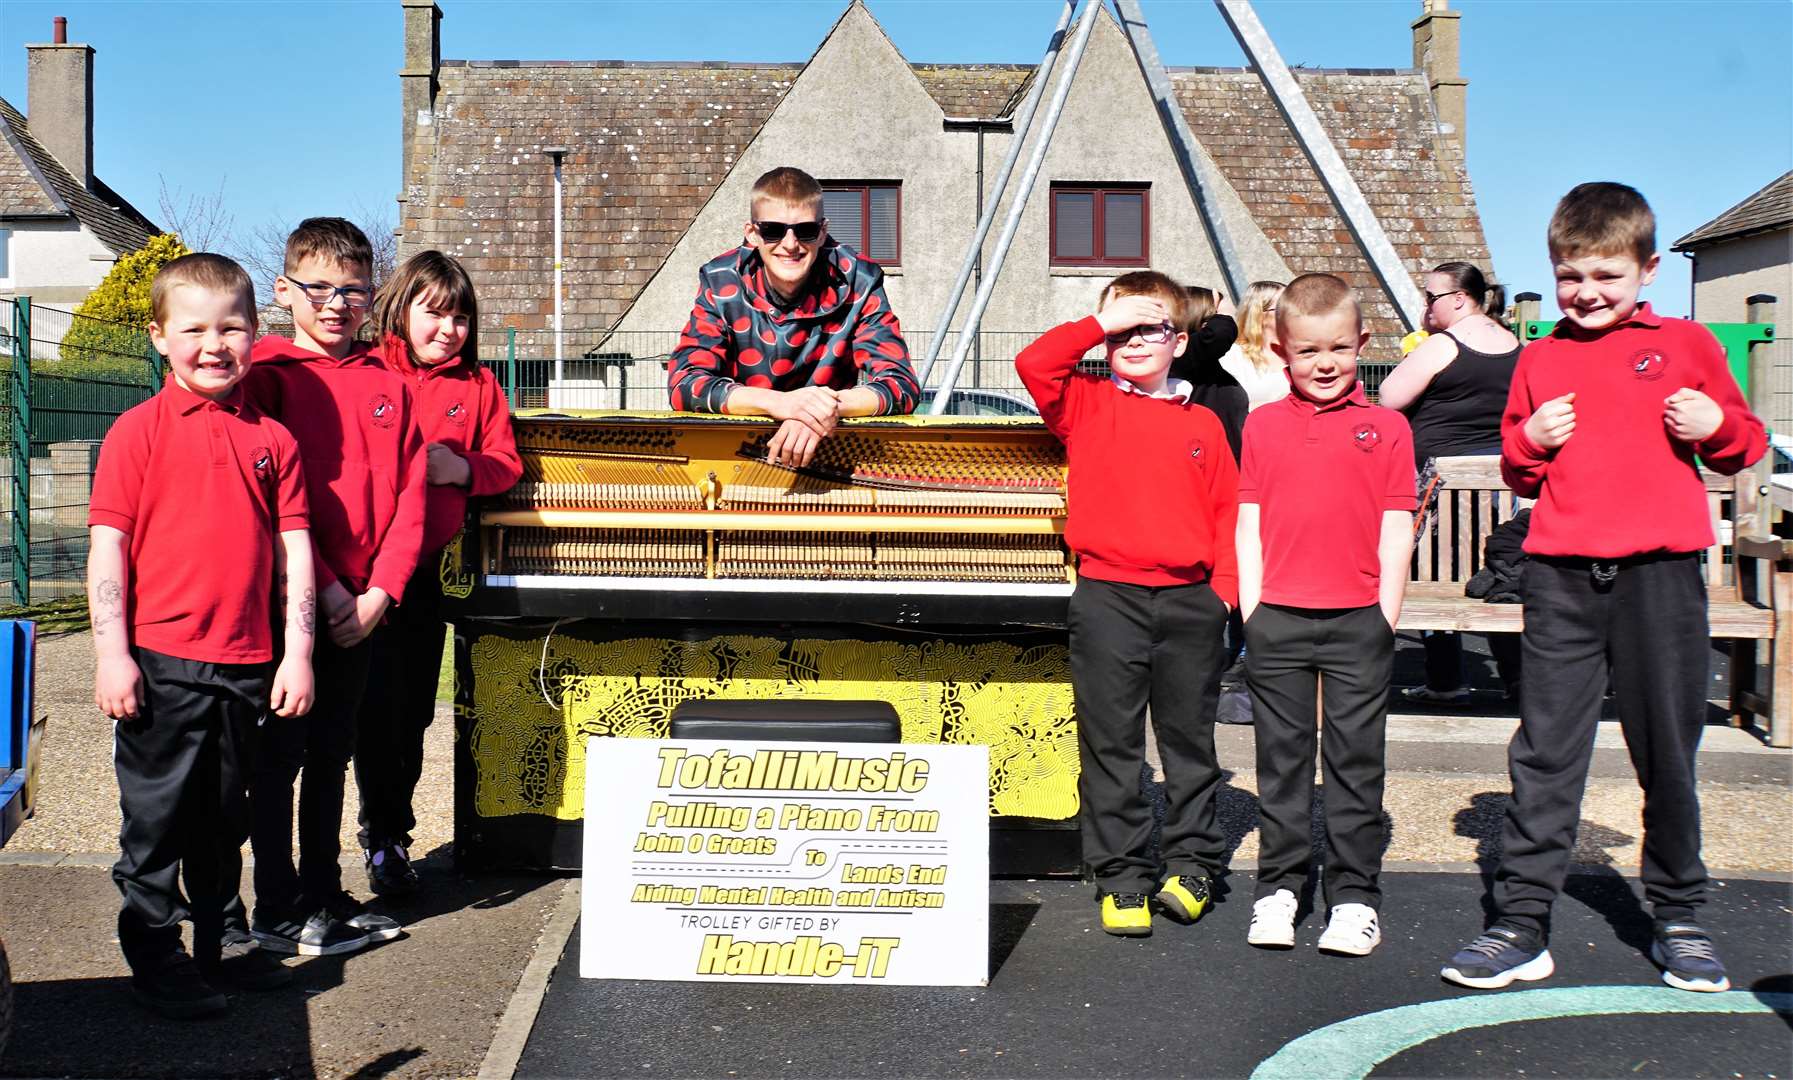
pixel 262 459
pixel 456 414
pixel 1648 365
pixel 1198 454
pixel 383 411
pixel 1365 437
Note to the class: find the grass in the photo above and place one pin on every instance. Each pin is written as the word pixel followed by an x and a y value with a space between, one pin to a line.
pixel 64 615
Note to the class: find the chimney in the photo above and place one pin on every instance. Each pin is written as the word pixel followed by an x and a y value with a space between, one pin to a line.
pixel 59 101
pixel 1436 53
pixel 418 79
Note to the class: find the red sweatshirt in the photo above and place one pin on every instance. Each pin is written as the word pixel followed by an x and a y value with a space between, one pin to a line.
pixel 1622 485
pixel 460 405
pixel 1154 491
pixel 364 461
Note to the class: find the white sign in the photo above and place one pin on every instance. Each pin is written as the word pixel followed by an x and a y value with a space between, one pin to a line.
pixel 783 861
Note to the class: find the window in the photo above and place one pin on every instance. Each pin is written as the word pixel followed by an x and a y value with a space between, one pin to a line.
pixel 1100 225
pixel 866 217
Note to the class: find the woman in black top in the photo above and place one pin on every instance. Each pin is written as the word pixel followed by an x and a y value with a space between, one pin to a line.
pixel 1453 388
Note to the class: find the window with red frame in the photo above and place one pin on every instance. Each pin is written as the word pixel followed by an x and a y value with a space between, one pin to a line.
pixel 1100 225
pixel 866 216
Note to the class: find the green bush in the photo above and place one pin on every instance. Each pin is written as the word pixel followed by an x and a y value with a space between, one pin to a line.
pixel 109 337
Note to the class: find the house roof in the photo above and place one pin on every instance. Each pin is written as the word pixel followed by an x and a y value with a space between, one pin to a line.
pixel 34 184
pixel 1768 209
pixel 653 141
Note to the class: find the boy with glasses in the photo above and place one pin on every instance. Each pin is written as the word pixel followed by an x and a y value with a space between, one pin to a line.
pixel 364 478
pixel 1153 501
pixel 784 325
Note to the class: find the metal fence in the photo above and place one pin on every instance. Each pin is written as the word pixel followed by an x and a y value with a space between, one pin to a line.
pixel 627 369
pixel 68 377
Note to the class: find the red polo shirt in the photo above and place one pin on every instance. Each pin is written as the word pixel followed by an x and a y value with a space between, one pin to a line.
pixel 202 489
pixel 1322 477
pixel 461 406
pixel 1588 488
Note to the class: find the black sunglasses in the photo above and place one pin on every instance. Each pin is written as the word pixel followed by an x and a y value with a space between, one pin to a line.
pixel 1433 298
pixel 772 232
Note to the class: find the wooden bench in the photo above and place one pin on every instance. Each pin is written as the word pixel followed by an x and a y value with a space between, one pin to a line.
pixel 1749 583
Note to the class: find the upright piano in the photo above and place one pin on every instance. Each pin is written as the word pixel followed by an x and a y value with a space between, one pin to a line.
pixel 651 558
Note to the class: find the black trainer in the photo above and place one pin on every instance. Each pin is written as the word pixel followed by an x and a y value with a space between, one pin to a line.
pixel 1688 959
pixel 354 914
pixel 174 987
pixel 1497 958
pixel 244 964
pixel 389 870
pixel 317 934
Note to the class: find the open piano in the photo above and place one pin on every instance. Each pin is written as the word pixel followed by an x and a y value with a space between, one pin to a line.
pixel 650 558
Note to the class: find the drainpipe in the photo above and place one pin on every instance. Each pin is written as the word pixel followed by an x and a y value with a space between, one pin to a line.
pixel 557 153
pixel 1693 275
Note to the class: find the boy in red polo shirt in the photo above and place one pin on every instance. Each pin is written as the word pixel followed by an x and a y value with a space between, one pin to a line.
pixel 1617 400
pixel 364 474
pixel 198 503
pixel 1153 496
pixel 1325 532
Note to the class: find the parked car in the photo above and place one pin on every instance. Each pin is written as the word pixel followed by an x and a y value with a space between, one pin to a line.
pixel 975 401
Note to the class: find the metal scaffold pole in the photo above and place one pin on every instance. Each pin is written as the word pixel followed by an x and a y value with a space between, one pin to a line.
pixel 1085 23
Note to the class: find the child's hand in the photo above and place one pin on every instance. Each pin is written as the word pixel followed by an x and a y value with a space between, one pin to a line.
pixel 339 605
pixel 1553 423
pixel 292 691
pixel 447 468
pixel 1126 312
pixel 363 615
pixel 1691 416
pixel 118 687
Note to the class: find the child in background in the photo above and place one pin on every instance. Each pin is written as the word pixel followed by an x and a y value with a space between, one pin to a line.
pixel 1253 360
pixel 1211 336
pixel 427 323
pixel 198 518
pixel 1153 497
pixel 364 477
pixel 1325 533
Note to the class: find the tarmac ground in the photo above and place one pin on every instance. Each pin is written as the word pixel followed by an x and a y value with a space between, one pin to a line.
pixel 1066 1000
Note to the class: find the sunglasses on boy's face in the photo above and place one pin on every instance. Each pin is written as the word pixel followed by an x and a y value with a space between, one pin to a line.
pixel 772 232
pixel 321 293
pixel 1152 335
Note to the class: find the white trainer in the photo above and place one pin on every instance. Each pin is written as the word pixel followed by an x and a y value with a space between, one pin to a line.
pixel 1351 930
pixel 1273 921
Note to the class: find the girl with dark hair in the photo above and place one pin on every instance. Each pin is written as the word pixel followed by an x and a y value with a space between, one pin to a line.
pixel 1453 388
pixel 427 321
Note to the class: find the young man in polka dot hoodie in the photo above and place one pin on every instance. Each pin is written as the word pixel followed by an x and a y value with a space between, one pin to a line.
pixel 784 325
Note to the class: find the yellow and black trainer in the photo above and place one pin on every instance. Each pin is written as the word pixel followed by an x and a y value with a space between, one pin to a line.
pixel 1126 915
pixel 1184 897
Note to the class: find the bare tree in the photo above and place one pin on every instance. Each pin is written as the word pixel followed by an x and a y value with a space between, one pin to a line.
pixel 200 220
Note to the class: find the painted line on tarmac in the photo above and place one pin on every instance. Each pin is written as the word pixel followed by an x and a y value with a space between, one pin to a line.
pixel 1353 1048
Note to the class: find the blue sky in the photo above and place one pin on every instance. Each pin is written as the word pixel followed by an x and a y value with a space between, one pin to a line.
pixel 1691 102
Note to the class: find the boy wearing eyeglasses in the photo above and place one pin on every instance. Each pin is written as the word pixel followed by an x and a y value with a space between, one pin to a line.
pixel 1153 499
pixel 784 324
pixel 364 477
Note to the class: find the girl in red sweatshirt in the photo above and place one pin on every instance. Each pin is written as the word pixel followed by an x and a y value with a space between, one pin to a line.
pixel 427 320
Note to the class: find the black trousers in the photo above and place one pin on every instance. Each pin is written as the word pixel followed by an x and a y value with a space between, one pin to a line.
pixel 1646 631
pixel 398 708
pixel 1134 646
pixel 183 767
pixel 1347 654
pixel 320 743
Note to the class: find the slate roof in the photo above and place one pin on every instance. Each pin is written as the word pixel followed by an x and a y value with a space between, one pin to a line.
pixel 659 138
pixel 1766 210
pixel 34 184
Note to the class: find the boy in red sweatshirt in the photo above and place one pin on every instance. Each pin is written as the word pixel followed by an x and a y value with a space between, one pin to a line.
pixel 1617 400
pixel 1153 498
pixel 1325 534
pixel 364 476
pixel 427 320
